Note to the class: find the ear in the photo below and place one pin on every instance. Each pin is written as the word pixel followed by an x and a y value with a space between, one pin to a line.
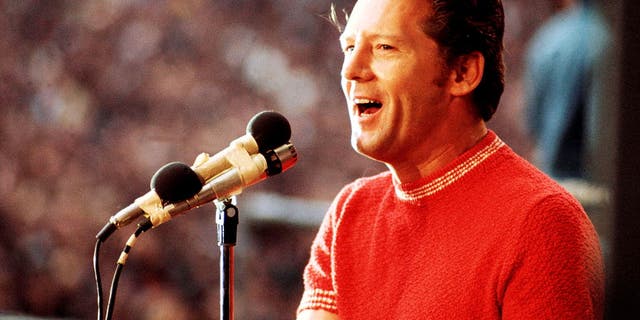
pixel 467 73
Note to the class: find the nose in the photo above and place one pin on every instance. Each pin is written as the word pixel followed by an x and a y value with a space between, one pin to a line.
pixel 357 65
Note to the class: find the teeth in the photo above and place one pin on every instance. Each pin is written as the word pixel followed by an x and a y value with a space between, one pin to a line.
pixel 364 101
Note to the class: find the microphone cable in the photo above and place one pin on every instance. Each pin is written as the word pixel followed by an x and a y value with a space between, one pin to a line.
pixel 116 275
pixel 96 271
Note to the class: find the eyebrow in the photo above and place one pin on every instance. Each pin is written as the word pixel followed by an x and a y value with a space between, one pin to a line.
pixel 396 38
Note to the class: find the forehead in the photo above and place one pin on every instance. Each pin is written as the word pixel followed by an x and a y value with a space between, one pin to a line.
pixel 387 17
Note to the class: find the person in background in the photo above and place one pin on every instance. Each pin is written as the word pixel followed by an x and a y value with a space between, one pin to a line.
pixel 459 227
pixel 562 87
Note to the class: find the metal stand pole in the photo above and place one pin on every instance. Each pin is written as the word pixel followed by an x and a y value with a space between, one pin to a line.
pixel 227 223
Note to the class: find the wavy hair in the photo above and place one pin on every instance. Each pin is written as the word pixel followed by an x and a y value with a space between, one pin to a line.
pixel 463 27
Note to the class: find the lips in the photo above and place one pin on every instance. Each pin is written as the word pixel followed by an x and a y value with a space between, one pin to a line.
pixel 366 106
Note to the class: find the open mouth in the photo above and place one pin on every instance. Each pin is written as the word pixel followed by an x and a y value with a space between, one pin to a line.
pixel 367 106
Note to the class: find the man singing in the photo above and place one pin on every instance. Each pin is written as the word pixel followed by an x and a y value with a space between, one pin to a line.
pixel 459 227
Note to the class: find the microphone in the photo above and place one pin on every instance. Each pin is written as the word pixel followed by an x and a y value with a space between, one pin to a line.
pixel 265 131
pixel 172 182
pixel 176 181
pixel 228 184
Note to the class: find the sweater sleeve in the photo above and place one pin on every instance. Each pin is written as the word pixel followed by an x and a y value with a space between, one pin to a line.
pixel 319 293
pixel 558 272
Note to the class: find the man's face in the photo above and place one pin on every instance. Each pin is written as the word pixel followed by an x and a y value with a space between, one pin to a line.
pixel 394 80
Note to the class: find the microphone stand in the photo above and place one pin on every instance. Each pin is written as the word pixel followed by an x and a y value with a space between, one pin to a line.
pixel 227 225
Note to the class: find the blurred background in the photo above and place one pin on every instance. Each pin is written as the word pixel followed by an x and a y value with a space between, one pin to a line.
pixel 96 95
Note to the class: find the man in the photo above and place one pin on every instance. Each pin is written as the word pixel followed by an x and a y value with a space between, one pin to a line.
pixel 562 87
pixel 460 227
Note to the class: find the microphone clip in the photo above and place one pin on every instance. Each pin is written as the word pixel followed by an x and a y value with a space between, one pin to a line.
pixel 227 219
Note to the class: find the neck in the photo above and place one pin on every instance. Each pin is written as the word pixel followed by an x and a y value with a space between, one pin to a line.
pixel 444 148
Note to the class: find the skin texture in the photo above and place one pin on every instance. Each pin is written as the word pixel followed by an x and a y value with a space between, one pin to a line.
pixel 424 117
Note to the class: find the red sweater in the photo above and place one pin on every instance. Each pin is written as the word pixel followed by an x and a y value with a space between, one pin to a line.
pixel 487 237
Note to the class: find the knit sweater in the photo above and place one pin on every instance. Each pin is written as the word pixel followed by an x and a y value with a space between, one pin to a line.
pixel 486 237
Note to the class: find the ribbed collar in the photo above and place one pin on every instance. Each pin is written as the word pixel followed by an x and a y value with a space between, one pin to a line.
pixel 448 175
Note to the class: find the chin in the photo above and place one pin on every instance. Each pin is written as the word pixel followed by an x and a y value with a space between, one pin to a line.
pixel 370 151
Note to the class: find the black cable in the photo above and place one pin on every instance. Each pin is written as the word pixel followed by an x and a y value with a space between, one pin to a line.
pixel 96 270
pixel 120 265
pixel 112 293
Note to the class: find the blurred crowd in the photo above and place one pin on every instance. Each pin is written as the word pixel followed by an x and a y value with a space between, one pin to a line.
pixel 96 95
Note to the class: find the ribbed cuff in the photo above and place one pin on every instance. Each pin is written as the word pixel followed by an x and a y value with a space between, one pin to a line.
pixel 318 299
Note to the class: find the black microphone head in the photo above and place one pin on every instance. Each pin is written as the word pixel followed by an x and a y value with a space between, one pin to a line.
pixel 175 182
pixel 270 130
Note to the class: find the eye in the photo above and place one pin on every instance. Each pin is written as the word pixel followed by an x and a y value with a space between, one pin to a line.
pixel 348 48
pixel 383 46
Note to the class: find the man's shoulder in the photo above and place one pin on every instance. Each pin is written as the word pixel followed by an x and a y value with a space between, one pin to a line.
pixel 515 178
